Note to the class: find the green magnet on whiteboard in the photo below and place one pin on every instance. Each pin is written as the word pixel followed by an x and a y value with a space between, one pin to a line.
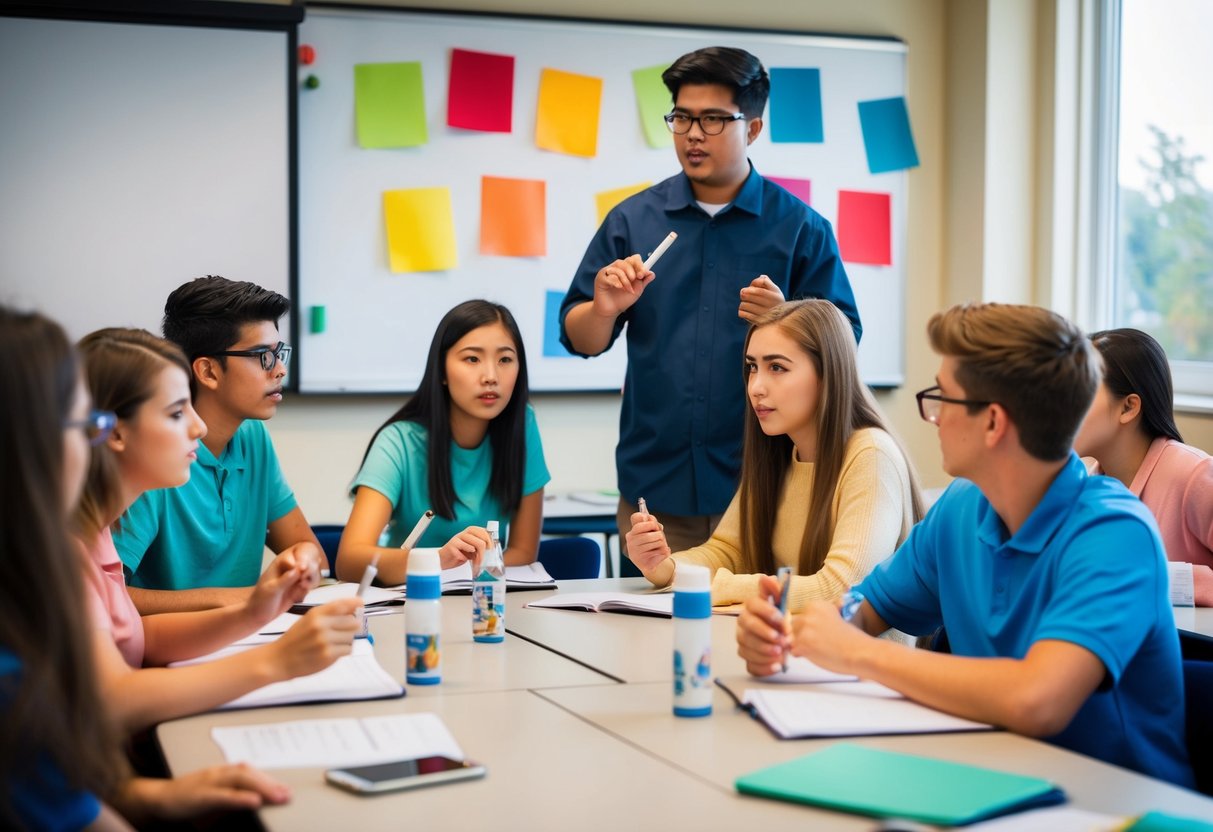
pixel 318 320
pixel 311 82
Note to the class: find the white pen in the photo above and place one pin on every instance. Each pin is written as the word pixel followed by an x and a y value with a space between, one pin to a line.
pixel 368 575
pixel 656 255
pixel 644 509
pixel 418 530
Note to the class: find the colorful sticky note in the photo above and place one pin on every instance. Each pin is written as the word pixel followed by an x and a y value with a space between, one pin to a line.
pixel 606 200
pixel 796 105
pixel 480 95
pixel 567 118
pixel 797 187
pixel 420 229
pixel 389 105
pixel 513 217
pixel 886 135
pixel 653 99
pixel 552 348
pixel 864 228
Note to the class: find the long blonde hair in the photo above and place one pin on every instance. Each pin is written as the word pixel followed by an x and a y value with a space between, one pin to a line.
pixel 844 406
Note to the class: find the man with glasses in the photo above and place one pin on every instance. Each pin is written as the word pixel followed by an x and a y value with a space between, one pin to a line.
pixel 1051 584
pixel 744 245
pixel 208 536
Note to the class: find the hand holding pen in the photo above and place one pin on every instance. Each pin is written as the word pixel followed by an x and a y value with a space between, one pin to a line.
pixel 647 546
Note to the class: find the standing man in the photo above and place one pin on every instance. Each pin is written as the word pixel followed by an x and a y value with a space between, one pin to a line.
pixel 744 245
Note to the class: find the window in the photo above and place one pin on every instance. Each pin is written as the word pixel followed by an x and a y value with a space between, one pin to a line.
pixel 1157 224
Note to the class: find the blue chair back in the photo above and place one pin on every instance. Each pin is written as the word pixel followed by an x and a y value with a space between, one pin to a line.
pixel 329 537
pixel 570 558
pixel 1198 693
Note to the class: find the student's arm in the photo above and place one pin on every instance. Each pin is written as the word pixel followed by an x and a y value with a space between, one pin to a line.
pixel 291 533
pixel 524 530
pixel 156 601
pixel 1037 695
pixel 145 800
pixel 721 553
pixel 360 541
pixel 590 325
pixel 1198 517
pixel 141 698
pixel 818 271
pixel 172 637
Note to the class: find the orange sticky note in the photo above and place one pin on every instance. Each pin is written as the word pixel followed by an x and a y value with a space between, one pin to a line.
pixel 420 229
pixel 567 117
pixel 513 217
pixel 606 200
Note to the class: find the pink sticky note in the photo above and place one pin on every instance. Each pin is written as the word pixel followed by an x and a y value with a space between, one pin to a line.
pixel 481 93
pixel 864 228
pixel 797 187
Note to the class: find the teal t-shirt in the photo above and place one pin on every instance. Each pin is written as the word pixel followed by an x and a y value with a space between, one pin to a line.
pixel 398 468
pixel 210 531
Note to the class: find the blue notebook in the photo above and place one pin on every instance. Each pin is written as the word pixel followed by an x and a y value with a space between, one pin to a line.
pixel 867 781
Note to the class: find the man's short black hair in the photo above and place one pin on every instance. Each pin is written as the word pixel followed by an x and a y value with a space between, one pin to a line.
pixel 205 316
pixel 734 68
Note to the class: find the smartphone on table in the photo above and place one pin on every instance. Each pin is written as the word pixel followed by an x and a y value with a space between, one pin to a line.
pixel 405 774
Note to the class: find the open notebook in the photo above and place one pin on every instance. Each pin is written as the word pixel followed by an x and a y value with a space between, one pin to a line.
pixel 357 676
pixel 634 602
pixel 839 708
pixel 458 580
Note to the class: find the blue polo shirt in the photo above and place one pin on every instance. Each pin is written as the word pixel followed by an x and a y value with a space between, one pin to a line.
pixel 398 467
pixel 683 400
pixel 1088 568
pixel 210 531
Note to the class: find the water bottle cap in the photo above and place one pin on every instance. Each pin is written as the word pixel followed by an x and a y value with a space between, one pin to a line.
pixel 424 562
pixel 491 527
pixel 691 577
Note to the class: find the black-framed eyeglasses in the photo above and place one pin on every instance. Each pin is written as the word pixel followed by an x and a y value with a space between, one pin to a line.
pixel 269 355
pixel 97 426
pixel 712 124
pixel 930 402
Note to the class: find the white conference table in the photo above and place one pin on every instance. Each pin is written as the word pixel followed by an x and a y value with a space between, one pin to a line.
pixel 571 715
pixel 1195 621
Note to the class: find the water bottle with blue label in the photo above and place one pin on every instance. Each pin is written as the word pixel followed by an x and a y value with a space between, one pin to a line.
pixel 488 592
pixel 423 618
pixel 692 640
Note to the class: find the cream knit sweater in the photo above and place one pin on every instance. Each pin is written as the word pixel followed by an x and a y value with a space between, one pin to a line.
pixel 872 514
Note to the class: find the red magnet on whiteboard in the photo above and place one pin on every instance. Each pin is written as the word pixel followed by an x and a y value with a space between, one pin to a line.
pixel 307 55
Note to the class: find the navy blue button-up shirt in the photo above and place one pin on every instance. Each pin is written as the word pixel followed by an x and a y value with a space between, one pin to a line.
pixel 684 396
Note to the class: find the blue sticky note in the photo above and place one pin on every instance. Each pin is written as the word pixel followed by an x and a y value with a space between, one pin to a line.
pixel 552 348
pixel 796 105
pixel 886 135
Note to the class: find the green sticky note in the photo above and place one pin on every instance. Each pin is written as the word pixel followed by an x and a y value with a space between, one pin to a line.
pixel 318 320
pixel 653 99
pixel 389 105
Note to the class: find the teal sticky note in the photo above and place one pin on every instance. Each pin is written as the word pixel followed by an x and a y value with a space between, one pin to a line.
pixel 886 135
pixel 318 319
pixel 796 105
pixel 552 348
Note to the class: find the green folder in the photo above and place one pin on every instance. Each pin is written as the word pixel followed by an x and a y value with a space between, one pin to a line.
pixel 866 781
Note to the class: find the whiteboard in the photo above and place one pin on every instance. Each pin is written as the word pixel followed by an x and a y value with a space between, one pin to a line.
pixel 134 157
pixel 378 324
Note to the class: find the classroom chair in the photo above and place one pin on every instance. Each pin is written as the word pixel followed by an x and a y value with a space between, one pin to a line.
pixel 570 558
pixel 329 537
pixel 1198 694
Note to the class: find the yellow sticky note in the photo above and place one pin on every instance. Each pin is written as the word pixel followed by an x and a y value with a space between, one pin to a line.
pixel 420 229
pixel 606 200
pixel 567 118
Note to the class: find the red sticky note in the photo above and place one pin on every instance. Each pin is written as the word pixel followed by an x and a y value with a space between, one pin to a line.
pixel 796 187
pixel 864 228
pixel 481 94
pixel 513 217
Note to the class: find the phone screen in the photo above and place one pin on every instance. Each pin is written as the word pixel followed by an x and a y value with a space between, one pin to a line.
pixel 404 774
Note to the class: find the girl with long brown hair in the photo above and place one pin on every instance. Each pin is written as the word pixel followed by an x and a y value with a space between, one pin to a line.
pixel 825 487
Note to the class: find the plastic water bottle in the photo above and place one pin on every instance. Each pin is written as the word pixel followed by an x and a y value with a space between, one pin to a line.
pixel 488 592
pixel 692 641
pixel 423 618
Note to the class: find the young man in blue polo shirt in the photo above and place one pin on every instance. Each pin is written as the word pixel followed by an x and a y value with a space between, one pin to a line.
pixel 744 245
pixel 208 536
pixel 1051 584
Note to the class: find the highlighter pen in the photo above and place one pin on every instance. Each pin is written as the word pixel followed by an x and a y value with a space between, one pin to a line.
pixel 784 576
pixel 660 250
pixel 851 601
pixel 418 530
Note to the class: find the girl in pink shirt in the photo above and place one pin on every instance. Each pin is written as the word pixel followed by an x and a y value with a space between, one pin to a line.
pixel 1130 432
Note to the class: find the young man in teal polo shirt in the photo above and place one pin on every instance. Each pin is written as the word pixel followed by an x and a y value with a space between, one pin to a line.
pixel 1051 584
pixel 208 536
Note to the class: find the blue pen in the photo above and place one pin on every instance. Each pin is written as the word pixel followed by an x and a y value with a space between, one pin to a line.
pixel 784 576
pixel 851 601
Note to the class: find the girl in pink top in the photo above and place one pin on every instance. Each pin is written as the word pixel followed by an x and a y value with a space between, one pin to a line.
pixel 144 381
pixel 1130 432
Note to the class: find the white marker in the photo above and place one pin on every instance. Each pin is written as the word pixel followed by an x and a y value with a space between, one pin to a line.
pixel 644 509
pixel 656 255
pixel 368 576
pixel 418 530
